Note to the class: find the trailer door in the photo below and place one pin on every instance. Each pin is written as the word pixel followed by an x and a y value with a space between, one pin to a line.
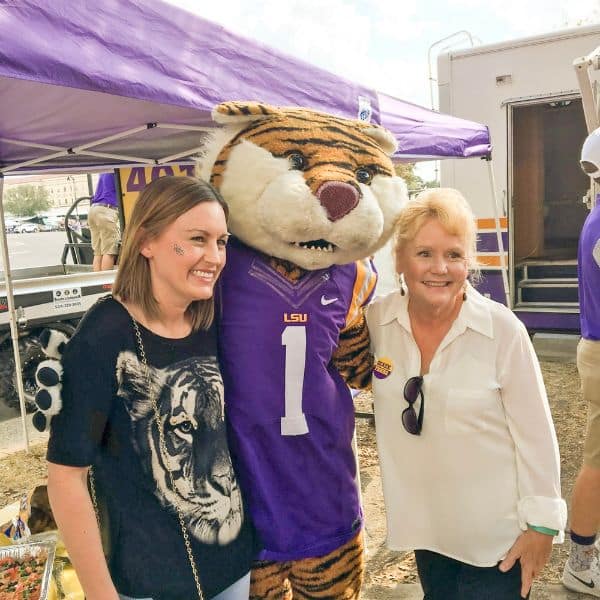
pixel 547 187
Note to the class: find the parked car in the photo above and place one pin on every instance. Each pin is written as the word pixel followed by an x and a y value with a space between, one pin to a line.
pixel 50 224
pixel 26 228
pixel 9 225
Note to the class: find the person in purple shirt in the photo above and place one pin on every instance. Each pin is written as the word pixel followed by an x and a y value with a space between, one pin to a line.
pixel 582 571
pixel 103 221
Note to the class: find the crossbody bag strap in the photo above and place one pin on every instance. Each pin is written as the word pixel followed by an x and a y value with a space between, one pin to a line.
pixel 165 456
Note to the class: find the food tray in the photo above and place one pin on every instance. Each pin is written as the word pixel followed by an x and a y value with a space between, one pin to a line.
pixel 18 551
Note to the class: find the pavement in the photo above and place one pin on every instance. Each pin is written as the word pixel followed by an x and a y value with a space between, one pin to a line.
pixel 556 347
pixel 34 249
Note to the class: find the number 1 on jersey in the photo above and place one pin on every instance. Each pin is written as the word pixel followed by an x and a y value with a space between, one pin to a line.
pixel 294 339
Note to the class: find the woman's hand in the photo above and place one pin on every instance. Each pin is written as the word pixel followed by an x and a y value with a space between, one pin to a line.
pixel 533 550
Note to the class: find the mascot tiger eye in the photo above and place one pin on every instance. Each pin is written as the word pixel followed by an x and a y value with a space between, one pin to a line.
pixel 311 198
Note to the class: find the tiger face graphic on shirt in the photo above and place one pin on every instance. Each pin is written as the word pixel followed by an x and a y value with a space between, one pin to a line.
pixel 189 396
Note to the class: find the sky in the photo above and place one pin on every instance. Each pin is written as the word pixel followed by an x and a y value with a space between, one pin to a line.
pixel 384 44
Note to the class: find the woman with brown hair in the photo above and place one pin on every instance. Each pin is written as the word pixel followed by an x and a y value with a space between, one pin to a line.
pixel 143 405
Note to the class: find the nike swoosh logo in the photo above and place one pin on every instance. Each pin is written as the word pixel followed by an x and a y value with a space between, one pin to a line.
pixel 589 584
pixel 326 301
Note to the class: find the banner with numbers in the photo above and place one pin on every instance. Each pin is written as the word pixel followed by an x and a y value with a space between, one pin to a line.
pixel 133 180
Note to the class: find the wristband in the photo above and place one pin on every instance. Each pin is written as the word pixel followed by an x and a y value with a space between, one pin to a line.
pixel 544 530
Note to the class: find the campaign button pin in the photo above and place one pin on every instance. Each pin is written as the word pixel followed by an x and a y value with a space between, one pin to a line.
pixel 383 367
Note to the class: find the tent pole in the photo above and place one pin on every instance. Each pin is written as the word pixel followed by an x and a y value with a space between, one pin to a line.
pixel 503 265
pixel 13 316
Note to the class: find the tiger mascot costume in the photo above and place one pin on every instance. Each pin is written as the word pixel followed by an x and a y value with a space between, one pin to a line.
pixel 311 198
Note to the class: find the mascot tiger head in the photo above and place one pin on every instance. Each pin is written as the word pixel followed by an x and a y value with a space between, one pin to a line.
pixel 190 399
pixel 304 186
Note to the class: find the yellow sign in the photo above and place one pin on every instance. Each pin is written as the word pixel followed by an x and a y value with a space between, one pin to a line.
pixel 134 180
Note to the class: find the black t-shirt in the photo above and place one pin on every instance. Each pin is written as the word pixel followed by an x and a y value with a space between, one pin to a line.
pixel 107 421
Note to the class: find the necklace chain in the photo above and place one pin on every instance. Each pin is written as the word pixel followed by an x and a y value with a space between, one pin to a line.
pixel 165 457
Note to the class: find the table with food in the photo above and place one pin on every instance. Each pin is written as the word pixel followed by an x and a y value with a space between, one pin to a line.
pixel 34 564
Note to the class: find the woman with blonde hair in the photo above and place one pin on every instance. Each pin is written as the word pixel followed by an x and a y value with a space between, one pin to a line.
pixel 468 452
pixel 143 412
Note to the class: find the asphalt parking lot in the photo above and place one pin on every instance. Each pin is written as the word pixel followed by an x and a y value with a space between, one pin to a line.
pixel 34 249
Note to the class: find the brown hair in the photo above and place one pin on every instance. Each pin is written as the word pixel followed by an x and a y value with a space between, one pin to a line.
pixel 451 209
pixel 160 203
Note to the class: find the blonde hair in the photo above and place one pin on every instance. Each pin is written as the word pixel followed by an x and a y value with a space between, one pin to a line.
pixel 451 209
pixel 160 203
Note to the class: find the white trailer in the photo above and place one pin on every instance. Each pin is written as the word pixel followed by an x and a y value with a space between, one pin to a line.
pixel 526 91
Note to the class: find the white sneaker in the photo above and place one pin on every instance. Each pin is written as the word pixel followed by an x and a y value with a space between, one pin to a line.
pixel 584 582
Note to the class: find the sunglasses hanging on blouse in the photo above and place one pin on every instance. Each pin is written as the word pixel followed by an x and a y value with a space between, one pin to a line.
pixel 412 390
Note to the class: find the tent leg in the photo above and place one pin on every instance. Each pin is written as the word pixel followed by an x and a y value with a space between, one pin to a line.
pixel 13 317
pixel 503 265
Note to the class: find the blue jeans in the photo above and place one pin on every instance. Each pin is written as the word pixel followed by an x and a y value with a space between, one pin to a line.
pixel 240 590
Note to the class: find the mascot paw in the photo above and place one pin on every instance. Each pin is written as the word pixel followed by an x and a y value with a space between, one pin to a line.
pixel 48 376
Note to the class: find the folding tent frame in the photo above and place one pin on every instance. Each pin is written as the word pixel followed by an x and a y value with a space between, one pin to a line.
pixel 133 83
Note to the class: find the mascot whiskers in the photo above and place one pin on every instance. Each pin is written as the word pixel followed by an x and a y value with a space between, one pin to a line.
pixel 311 198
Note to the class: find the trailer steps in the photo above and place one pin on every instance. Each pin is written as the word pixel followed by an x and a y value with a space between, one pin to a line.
pixel 547 283
pixel 564 307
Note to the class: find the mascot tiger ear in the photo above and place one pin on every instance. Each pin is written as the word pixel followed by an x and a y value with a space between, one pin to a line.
pixel 303 186
pixel 233 113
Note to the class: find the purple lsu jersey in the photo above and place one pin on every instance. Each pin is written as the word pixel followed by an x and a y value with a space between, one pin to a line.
pixel 290 414
pixel 588 265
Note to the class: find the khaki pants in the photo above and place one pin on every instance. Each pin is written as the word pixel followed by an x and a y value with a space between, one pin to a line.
pixel 588 365
pixel 104 227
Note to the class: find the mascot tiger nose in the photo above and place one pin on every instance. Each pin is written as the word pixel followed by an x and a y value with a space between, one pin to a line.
pixel 338 199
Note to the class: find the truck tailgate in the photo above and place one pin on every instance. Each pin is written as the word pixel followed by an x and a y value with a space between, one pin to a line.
pixel 46 299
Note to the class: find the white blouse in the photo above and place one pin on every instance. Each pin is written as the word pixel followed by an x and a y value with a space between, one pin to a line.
pixel 486 462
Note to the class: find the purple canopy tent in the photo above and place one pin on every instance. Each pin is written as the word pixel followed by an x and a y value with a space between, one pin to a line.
pixel 72 73
pixel 425 134
pixel 95 85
